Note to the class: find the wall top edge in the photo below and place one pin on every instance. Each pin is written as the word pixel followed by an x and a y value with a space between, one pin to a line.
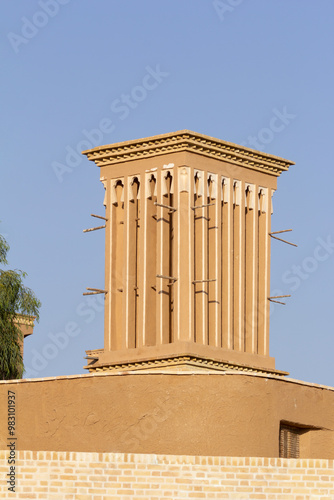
pixel 186 140
pixel 24 319
pixel 157 459
pixel 161 373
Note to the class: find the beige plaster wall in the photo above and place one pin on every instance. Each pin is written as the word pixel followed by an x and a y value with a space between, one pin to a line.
pixel 188 414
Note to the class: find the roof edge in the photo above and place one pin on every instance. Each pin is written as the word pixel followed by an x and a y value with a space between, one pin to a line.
pixel 184 132
pixel 285 380
pixel 185 140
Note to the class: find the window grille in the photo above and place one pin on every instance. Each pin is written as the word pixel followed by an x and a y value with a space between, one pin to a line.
pixel 289 441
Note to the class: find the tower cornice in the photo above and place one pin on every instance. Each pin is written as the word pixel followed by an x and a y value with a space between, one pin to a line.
pixel 193 142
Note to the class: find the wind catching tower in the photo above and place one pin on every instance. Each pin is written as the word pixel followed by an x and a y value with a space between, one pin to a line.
pixel 187 254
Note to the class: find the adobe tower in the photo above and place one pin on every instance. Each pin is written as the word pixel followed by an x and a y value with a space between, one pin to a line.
pixel 187 256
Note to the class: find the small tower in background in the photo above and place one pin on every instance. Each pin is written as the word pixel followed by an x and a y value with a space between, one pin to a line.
pixel 187 255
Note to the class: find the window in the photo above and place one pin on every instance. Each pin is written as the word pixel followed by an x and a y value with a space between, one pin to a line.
pixel 289 441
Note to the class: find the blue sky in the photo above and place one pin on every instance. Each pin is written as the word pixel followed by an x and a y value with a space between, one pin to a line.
pixel 226 68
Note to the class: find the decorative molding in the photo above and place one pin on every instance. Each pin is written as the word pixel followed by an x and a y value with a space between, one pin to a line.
pixel 150 177
pixel 225 186
pixel 212 179
pixel 184 179
pixel 272 203
pixel 199 174
pixel 164 177
pixel 185 140
pixel 250 188
pixel 23 319
pixel 115 182
pixel 131 181
pixel 174 361
pixel 237 192
pixel 105 182
pixel 263 199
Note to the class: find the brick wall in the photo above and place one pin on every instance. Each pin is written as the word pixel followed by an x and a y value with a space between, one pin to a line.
pixel 104 476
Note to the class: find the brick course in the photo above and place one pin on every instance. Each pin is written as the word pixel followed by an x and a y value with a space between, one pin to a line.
pixel 104 476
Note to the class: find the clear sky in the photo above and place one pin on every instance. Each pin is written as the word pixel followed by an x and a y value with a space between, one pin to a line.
pixel 223 68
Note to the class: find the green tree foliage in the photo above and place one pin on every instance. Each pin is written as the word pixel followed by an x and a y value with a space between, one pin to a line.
pixel 15 298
